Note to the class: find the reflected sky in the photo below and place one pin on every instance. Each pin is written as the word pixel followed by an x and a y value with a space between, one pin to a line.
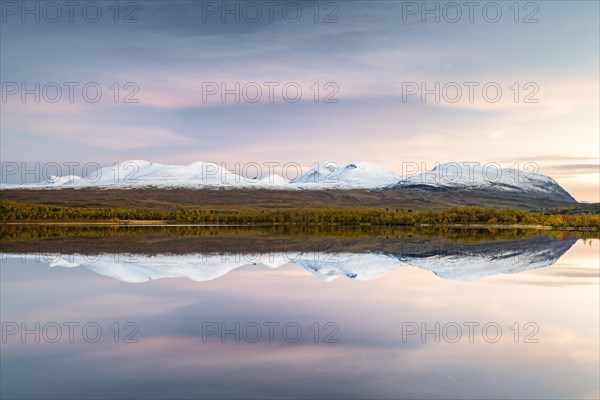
pixel 374 357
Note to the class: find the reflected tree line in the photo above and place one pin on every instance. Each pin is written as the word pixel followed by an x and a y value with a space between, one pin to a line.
pixel 32 232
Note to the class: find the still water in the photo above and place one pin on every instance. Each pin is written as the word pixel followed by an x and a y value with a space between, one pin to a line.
pixel 160 313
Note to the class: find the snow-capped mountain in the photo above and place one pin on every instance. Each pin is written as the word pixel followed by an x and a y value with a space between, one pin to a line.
pixel 323 175
pixel 489 177
pixel 350 176
pixel 140 173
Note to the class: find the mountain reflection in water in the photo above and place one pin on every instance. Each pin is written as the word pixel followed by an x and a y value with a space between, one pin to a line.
pixel 207 253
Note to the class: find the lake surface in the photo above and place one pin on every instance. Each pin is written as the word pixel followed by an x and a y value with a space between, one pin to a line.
pixel 165 312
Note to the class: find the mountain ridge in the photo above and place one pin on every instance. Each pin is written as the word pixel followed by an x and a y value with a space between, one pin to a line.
pixel 451 176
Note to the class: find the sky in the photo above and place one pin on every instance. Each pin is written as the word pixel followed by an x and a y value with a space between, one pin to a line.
pixel 389 82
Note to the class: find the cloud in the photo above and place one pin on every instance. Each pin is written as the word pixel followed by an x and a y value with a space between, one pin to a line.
pixel 370 54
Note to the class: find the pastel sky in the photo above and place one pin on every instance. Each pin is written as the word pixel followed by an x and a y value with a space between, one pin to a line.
pixel 360 53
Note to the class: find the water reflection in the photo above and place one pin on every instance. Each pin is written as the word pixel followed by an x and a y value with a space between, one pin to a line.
pixel 203 254
pixel 446 259
pixel 374 356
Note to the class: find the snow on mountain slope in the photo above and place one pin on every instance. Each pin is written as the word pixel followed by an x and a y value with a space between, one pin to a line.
pixel 471 175
pixel 62 180
pixel 359 175
pixel 323 175
pixel 140 173
pixel 273 180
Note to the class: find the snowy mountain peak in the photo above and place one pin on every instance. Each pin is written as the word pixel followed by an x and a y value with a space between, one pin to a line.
pixel 354 175
pixel 490 176
pixel 462 175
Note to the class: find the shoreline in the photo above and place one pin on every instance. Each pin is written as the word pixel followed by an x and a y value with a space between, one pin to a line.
pixel 165 223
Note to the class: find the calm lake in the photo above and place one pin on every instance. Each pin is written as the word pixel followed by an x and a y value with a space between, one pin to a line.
pixel 207 312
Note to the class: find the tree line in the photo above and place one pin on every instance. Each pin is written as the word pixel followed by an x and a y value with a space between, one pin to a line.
pixel 22 212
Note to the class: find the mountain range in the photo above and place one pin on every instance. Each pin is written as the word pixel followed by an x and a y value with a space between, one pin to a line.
pixel 453 176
